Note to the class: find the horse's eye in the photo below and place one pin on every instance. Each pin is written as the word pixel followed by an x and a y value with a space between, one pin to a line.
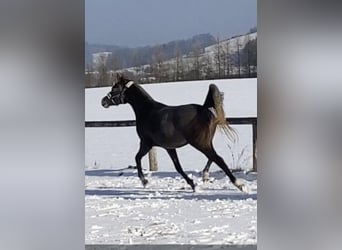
pixel 109 95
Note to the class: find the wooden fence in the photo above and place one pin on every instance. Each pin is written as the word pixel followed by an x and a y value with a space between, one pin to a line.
pixel 129 123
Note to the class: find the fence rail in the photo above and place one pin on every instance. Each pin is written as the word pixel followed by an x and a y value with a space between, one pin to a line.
pixel 234 121
pixel 131 123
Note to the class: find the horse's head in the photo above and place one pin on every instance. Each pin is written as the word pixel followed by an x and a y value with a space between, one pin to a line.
pixel 117 94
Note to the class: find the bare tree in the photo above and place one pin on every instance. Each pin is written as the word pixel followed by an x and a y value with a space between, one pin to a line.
pixel 103 78
pixel 102 69
pixel 137 62
pixel 238 57
pixel 218 57
pixel 228 60
pixel 248 62
pixel 196 53
pixel 244 56
pixel 208 69
pixel 89 80
pixel 114 63
pixel 250 56
pixel 157 64
pixel 178 71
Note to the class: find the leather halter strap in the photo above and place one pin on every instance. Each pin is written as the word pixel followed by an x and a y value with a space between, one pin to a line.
pixel 129 84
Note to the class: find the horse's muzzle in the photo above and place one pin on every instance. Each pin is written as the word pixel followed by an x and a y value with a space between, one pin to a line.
pixel 105 102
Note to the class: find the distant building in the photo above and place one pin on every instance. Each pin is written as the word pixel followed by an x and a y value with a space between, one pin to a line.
pixel 101 58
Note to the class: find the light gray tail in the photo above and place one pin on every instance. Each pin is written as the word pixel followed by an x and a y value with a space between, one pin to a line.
pixel 214 100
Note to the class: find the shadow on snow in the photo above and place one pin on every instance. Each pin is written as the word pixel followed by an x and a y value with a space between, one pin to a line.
pixel 218 175
pixel 135 193
pixel 150 194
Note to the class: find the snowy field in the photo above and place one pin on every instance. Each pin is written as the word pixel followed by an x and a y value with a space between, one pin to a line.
pixel 120 211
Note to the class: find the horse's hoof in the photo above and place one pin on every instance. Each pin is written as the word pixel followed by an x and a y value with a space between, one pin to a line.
pixel 246 189
pixel 194 188
pixel 205 177
pixel 240 185
pixel 144 182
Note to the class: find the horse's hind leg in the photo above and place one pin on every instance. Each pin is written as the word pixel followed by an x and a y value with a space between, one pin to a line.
pixel 174 157
pixel 143 150
pixel 213 156
pixel 205 171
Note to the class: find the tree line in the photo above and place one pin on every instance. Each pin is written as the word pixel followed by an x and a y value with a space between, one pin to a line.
pixel 232 58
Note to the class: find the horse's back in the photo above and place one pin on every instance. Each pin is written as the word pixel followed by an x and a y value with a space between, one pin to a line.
pixel 185 115
pixel 172 126
pixel 193 122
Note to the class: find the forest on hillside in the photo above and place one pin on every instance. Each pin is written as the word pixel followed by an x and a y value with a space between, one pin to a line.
pixel 199 58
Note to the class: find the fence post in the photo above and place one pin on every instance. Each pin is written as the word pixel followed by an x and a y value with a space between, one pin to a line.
pixel 152 156
pixel 255 168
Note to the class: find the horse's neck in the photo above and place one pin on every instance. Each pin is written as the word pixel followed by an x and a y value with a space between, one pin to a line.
pixel 140 101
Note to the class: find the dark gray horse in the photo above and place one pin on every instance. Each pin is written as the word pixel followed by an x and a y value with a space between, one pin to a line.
pixel 171 127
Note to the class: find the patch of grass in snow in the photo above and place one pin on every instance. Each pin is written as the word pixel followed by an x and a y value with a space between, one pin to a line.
pixel 240 158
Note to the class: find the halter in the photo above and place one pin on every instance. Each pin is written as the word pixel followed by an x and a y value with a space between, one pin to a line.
pixel 119 97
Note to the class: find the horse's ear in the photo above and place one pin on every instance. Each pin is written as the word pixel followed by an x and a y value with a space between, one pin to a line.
pixel 119 77
pixel 112 76
pixel 222 96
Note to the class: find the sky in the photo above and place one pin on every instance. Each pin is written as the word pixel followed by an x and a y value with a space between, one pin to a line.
pixel 134 23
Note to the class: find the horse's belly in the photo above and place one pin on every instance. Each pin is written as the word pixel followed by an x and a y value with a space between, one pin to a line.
pixel 168 141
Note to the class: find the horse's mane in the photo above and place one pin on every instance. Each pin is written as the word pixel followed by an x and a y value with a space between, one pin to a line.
pixel 143 91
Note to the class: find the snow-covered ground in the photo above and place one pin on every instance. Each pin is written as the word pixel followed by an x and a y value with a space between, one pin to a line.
pixel 120 211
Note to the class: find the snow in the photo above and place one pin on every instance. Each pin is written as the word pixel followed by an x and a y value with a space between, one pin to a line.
pixel 240 99
pixel 232 43
pixel 119 210
pixel 115 148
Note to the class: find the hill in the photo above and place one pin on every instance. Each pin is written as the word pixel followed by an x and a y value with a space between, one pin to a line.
pixel 201 57
pixel 129 57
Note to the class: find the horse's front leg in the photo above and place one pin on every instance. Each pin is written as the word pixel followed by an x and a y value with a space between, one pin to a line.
pixel 143 150
pixel 174 157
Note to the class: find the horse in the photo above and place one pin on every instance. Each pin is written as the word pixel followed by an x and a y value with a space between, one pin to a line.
pixel 172 127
